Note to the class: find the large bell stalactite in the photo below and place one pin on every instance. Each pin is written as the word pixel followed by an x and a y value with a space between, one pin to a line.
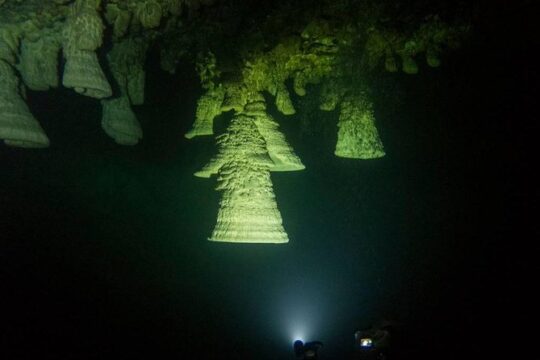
pixel 248 210
pixel 249 150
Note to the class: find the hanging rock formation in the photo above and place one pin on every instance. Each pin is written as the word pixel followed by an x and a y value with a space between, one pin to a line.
pixel 38 63
pixel 279 150
pixel 119 121
pixel 431 36
pixel 251 147
pixel 17 125
pixel 126 61
pixel 82 36
pixel 358 137
pixel 277 147
pixel 248 211
pixel 208 107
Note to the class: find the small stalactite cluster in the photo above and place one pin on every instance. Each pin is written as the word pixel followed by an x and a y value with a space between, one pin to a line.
pixel 34 33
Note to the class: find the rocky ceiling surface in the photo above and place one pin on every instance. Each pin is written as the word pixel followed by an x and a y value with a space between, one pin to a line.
pixel 242 51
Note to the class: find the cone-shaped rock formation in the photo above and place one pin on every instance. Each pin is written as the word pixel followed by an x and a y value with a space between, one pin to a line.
pixel 83 34
pixel 119 121
pixel 358 137
pixel 17 125
pixel 208 107
pixel 126 61
pixel 248 211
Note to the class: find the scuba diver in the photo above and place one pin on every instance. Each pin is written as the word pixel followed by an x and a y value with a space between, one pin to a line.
pixel 307 351
pixel 374 343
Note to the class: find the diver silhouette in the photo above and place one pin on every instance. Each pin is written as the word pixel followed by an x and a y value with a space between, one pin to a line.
pixel 307 351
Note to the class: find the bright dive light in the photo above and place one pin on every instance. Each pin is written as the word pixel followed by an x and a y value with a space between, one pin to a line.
pixel 298 336
pixel 298 333
pixel 366 343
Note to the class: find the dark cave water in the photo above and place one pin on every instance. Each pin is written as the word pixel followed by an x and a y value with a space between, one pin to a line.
pixel 106 252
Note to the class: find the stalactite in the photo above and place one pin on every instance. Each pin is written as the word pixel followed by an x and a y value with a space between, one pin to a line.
pixel 17 125
pixel 208 107
pixel 126 62
pixel 119 121
pixel 248 211
pixel 38 63
pixel 83 34
pixel 358 137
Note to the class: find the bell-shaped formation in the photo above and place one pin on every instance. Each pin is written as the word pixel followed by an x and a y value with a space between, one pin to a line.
pixel 38 63
pixel 84 28
pixel 208 107
pixel 358 137
pixel 281 153
pixel 213 166
pixel 83 73
pixel 119 121
pixel 83 35
pixel 126 61
pixel 251 147
pixel 248 211
pixel 283 100
pixel 17 125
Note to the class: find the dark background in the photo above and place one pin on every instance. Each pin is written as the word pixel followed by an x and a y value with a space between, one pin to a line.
pixel 103 249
